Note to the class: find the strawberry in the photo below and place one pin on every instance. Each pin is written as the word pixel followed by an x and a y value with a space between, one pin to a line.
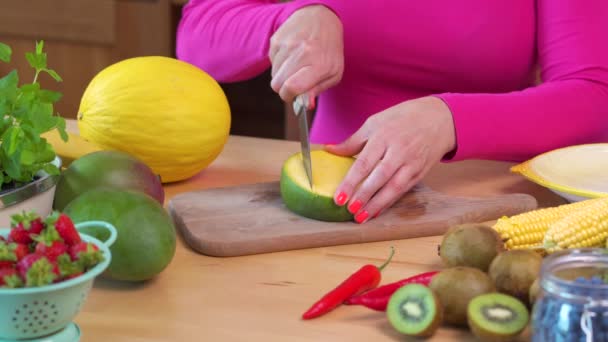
pixel 69 269
pixel 19 235
pixel 50 244
pixel 7 254
pixel 36 270
pixel 26 263
pixel 24 227
pixel 36 226
pixel 74 275
pixel 21 250
pixel 10 278
pixel 87 254
pixel 52 251
pixel 65 228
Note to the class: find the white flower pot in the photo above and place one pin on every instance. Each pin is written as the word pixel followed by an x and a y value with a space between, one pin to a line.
pixel 36 196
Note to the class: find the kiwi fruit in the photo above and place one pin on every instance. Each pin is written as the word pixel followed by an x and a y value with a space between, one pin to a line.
pixel 414 310
pixel 514 271
pixel 455 287
pixel 472 244
pixel 497 317
pixel 534 291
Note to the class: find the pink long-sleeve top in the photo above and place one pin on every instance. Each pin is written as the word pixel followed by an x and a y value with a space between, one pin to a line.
pixel 478 56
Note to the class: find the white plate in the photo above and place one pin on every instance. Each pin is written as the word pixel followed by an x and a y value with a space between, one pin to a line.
pixel 576 173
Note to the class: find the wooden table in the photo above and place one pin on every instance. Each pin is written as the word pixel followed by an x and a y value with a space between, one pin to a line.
pixel 261 297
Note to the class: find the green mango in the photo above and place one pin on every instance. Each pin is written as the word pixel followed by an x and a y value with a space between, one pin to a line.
pixel 114 169
pixel 146 239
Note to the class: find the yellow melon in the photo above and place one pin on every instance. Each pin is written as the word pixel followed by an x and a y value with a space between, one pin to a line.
pixel 168 113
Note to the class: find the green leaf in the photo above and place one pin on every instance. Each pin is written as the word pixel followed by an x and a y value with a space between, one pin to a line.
pixel 32 88
pixel 40 273
pixel 61 129
pixel 8 86
pixel 12 140
pixel 53 74
pixel 9 81
pixel 39 47
pixel 28 157
pixel 13 281
pixel 40 116
pixel 36 61
pixel 12 167
pixel 48 96
pixel 5 53
pixel 4 124
pixel 31 134
pixel 46 154
pixel 51 169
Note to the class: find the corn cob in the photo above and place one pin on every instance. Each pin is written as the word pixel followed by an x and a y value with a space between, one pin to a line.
pixel 528 230
pixel 587 227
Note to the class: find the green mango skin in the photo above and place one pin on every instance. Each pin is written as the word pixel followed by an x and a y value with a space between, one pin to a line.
pixel 309 204
pixel 106 169
pixel 146 239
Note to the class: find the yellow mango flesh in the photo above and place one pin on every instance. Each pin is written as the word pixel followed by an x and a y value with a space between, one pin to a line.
pixel 328 171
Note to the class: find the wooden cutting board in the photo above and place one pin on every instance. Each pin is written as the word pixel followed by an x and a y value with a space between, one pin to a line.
pixel 252 219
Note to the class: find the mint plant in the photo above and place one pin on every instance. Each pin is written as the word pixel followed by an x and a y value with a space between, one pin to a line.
pixel 26 112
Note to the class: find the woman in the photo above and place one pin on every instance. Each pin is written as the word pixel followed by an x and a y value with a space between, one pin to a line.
pixel 405 84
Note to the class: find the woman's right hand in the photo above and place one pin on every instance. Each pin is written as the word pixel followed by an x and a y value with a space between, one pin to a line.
pixel 307 53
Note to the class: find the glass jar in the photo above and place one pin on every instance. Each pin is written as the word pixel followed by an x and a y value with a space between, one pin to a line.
pixel 573 300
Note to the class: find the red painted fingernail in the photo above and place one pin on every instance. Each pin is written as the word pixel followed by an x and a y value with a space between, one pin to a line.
pixel 341 198
pixel 361 216
pixel 355 206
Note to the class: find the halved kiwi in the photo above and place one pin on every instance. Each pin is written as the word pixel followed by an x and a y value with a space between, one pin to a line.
pixel 497 317
pixel 414 310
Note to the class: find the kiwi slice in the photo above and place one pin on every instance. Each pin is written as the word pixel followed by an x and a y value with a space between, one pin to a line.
pixel 514 271
pixel 414 310
pixel 497 317
pixel 473 245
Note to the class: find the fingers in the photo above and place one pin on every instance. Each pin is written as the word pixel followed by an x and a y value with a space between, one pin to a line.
pixel 297 71
pixel 305 80
pixel 401 182
pixel 277 60
pixel 361 168
pixel 309 79
pixel 353 145
pixel 286 68
pixel 378 177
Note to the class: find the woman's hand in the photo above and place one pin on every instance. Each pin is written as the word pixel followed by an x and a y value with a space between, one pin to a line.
pixel 306 53
pixel 396 148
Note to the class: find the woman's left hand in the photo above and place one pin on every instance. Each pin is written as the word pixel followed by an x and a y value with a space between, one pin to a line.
pixel 396 148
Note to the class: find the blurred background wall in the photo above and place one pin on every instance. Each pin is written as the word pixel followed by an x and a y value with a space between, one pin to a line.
pixel 84 36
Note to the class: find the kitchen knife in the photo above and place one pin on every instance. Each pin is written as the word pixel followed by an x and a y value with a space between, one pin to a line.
pixel 300 107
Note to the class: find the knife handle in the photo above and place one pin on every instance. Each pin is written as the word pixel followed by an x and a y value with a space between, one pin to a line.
pixel 304 101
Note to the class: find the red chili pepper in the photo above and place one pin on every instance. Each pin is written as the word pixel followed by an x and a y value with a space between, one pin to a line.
pixel 377 299
pixel 367 277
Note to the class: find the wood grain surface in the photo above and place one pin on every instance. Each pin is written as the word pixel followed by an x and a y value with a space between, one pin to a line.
pixel 261 297
pixel 252 219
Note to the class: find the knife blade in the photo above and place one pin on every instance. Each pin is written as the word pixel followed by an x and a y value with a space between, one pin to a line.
pixel 300 107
